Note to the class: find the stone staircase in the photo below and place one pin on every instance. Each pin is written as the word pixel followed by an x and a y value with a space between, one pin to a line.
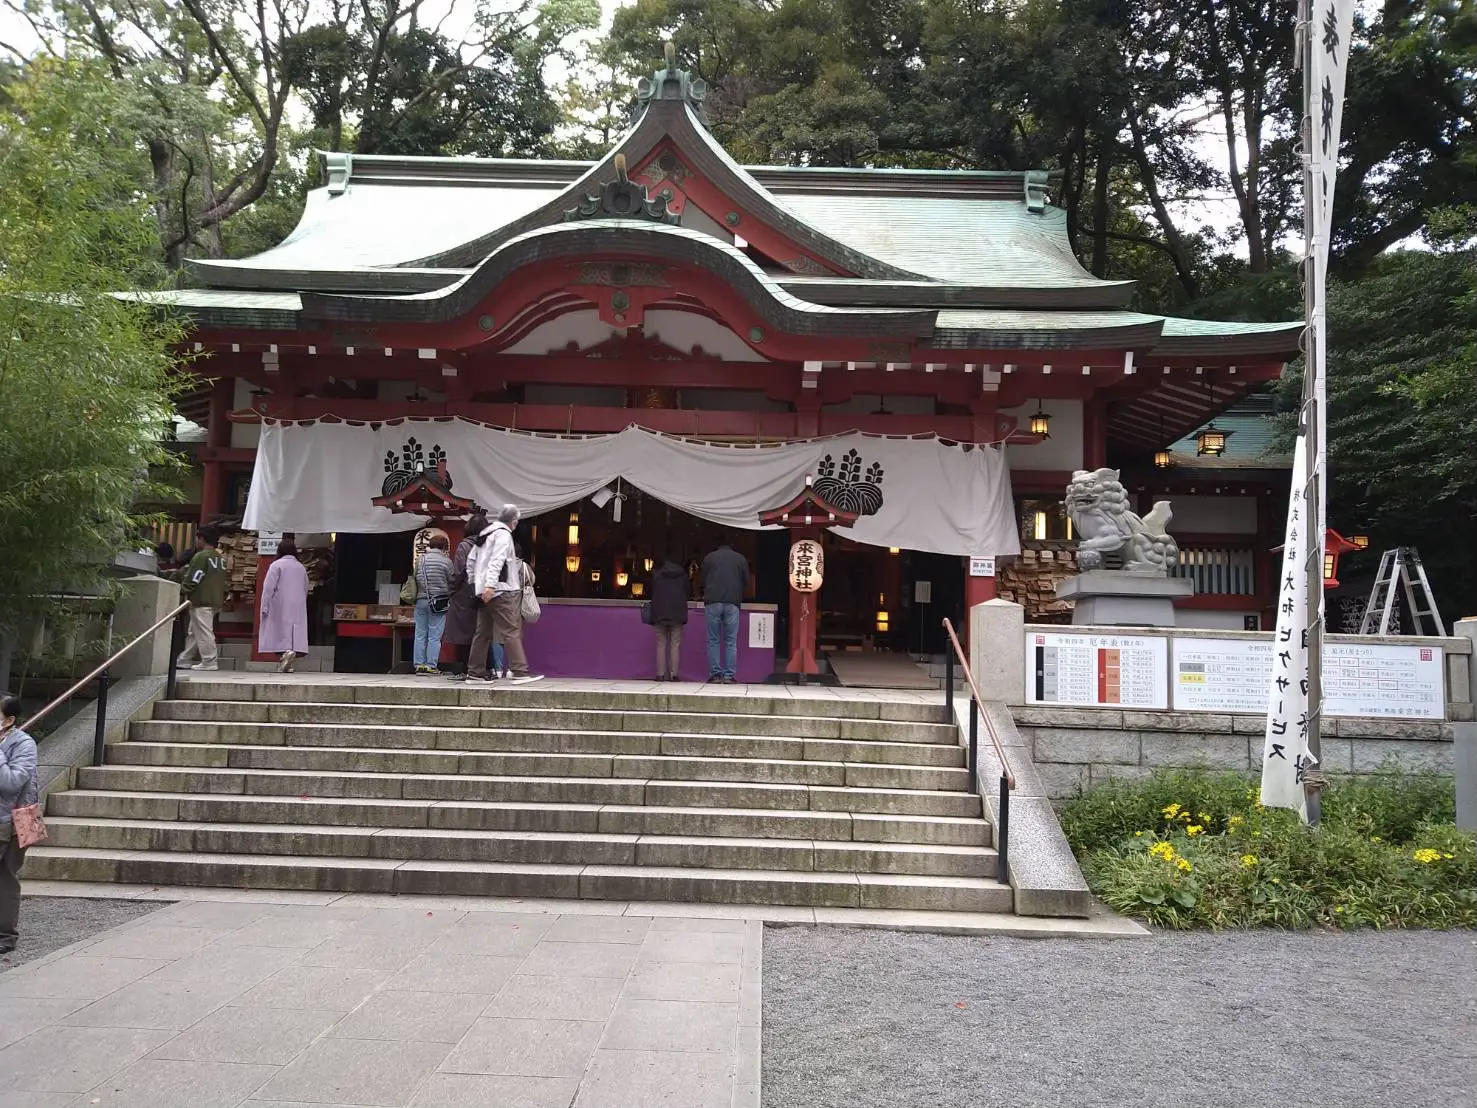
pixel 755 796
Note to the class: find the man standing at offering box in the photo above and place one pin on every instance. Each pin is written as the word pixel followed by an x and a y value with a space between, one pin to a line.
pixel 725 579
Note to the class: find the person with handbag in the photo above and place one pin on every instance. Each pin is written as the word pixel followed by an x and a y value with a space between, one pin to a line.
pixel 433 579
pixel 20 814
pixel 499 585
pixel 670 590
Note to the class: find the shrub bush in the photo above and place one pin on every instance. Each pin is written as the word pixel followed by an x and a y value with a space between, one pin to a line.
pixel 1186 849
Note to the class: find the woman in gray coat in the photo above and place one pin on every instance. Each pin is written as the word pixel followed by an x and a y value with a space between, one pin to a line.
pixel 18 788
pixel 461 618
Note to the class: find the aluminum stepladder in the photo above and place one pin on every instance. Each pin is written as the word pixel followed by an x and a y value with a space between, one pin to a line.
pixel 1400 566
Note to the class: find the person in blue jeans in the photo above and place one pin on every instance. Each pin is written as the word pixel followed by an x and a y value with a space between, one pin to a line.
pixel 725 580
pixel 433 580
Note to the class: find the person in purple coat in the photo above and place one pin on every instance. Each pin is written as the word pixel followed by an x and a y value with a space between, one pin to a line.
pixel 284 628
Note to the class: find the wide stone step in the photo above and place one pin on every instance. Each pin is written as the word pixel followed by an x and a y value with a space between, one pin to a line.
pixel 585 819
pixel 578 790
pixel 674 767
pixel 602 882
pixel 759 700
pixel 433 717
pixel 407 844
pixel 505 740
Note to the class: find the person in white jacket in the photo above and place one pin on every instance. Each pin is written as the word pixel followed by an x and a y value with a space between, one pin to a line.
pixel 498 584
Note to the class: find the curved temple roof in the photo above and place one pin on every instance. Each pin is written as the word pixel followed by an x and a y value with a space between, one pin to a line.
pixel 964 260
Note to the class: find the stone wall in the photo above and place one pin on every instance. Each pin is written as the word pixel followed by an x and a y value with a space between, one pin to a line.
pixel 1077 748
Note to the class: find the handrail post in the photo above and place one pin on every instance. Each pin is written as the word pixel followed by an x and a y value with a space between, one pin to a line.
pixel 100 730
pixel 176 646
pixel 1002 831
pixel 948 675
pixel 974 743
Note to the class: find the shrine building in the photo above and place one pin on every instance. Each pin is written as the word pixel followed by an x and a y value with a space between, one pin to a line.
pixel 649 352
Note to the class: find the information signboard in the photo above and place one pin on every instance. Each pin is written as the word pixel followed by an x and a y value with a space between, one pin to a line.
pixel 1378 680
pixel 1105 671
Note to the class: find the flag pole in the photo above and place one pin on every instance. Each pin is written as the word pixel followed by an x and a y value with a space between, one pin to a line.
pixel 1313 424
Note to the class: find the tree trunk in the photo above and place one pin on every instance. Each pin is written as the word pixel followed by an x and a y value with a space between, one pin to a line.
pixel 7 652
pixel 1100 211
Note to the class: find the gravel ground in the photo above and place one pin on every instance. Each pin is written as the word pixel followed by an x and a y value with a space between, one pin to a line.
pixel 49 923
pixel 1236 1020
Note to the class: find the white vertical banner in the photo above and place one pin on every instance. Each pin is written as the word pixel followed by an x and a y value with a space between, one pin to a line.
pixel 1330 30
pixel 1285 756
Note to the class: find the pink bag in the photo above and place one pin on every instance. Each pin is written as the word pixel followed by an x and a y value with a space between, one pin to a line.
pixel 30 828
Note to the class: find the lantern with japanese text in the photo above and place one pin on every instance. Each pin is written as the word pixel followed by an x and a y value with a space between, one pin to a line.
pixel 805 516
pixel 807 566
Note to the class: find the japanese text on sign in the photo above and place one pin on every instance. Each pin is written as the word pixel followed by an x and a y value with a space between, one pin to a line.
pixel 1129 671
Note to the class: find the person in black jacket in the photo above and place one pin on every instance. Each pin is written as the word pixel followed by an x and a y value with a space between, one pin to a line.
pixel 670 590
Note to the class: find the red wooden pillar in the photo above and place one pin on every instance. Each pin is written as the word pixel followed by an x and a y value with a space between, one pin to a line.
pixel 1094 433
pixel 217 437
pixel 263 563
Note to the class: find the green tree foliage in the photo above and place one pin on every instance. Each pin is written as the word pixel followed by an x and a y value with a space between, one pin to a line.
pixel 85 375
pixel 226 82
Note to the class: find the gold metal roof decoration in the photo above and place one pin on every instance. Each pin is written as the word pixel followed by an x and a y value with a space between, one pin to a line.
pixel 622 198
pixel 672 83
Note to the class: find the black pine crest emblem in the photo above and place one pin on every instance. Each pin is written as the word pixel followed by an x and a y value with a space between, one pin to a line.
pixel 402 468
pixel 846 486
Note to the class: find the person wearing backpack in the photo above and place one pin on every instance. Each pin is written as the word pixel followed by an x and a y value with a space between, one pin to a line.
pixel 461 617
pixel 433 578
pixel 203 584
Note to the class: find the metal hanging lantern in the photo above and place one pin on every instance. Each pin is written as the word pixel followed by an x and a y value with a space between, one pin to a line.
pixel 1162 460
pixel 1210 440
pixel 1041 422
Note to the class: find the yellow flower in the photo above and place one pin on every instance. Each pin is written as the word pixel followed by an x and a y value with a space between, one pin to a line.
pixel 1248 860
pixel 1425 856
pixel 1204 817
pixel 1194 829
pixel 1340 908
pixel 1171 811
pixel 1183 865
pixel 1235 821
pixel 1162 850
pixel 1448 855
pixel 1138 834
pixel 1185 816
pixel 1375 839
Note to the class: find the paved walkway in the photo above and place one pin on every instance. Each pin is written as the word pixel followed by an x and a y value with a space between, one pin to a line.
pixel 219 1003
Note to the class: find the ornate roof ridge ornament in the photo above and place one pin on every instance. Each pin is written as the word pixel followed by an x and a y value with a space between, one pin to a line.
pixel 1037 182
pixel 622 198
pixel 671 83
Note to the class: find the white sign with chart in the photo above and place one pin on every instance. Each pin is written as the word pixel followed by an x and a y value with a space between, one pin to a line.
pixel 1097 671
pixel 1377 680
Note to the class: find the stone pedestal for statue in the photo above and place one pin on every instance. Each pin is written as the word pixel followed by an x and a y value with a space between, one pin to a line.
pixel 1112 598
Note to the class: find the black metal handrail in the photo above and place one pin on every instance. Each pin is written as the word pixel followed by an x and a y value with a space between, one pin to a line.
pixel 976 713
pixel 100 731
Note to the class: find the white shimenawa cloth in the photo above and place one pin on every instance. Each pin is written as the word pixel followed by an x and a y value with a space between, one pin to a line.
pixel 920 494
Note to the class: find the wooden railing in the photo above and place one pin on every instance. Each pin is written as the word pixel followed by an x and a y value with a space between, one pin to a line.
pixel 1219 570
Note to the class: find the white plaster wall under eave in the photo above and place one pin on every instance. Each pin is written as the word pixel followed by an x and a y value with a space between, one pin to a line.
pixel 1213 515
pixel 244 436
pixel 1063 450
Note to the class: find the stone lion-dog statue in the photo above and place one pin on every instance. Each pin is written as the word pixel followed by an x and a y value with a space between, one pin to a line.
pixel 1097 503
